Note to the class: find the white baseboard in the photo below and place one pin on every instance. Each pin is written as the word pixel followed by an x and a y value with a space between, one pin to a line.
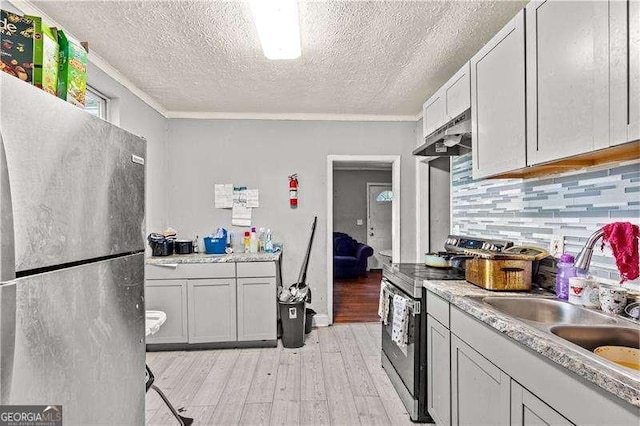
pixel 321 320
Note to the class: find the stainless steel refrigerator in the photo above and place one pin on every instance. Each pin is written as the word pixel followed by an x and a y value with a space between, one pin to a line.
pixel 72 260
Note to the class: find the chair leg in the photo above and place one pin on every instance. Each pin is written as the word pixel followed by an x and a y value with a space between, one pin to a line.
pixel 184 421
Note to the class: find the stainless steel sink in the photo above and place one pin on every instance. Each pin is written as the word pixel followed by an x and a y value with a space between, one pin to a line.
pixel 590 337
pixel 547 311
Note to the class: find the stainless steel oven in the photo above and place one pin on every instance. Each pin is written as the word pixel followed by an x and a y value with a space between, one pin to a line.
pixel 407 367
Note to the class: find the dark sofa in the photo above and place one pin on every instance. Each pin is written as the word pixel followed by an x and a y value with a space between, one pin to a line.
pixel 349 256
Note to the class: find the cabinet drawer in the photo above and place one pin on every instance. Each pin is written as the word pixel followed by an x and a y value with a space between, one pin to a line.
pixel 164 272
pixel 438 308
pixel 211 270
pixel 191 270
pixel 257 269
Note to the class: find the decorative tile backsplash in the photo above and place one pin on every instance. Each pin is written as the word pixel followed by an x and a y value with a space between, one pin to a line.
pixel 573 204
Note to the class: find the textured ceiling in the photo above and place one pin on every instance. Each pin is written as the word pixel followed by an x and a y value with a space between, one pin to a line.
pixel 377 57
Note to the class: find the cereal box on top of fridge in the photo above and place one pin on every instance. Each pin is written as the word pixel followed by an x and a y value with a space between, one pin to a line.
pixel 16 45
pixel 72 70
pixel 45 56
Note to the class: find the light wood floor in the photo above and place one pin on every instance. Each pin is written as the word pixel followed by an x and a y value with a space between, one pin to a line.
pixel 336 378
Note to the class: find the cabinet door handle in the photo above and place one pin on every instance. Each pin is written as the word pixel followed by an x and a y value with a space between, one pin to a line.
pixel 168 265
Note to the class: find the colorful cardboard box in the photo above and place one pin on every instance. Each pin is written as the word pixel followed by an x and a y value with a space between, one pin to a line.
pixel 16 45
pixel 46 56
pixel 72 73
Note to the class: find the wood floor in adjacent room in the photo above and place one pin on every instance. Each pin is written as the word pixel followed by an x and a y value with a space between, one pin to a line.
pixel 336 379
pixel 356 299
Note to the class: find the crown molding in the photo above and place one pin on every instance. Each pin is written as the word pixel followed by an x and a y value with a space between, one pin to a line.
pixel 288 116
pixel 28 8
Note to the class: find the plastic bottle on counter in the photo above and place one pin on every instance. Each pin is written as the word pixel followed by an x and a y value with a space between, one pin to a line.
pixel 247 242
pixel 261 240
pixel 268 243
pixel 566 270
pixel 196 244
pixel 228 247
pixel 253 241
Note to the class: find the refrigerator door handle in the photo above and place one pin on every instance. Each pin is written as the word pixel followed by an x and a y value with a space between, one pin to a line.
pixel 7 338
pixel 7 243
pixel 7 286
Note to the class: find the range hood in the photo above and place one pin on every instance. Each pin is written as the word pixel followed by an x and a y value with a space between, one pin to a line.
pixel 452 139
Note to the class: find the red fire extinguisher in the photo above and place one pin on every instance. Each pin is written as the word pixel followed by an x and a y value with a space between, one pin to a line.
pixel 293 190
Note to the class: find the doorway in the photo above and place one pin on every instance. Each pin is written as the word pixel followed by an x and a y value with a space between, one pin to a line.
pixel 363 232
pixel 379 202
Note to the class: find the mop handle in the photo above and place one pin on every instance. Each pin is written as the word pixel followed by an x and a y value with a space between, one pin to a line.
pixel 302 278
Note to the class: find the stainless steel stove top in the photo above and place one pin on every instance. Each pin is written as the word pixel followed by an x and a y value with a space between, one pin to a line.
pixel 409 276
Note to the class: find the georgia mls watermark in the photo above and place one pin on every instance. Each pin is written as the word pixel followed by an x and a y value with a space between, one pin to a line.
pixel 30 415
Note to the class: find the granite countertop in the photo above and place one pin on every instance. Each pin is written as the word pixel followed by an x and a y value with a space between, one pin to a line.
pixel 214 258
pixel 605 375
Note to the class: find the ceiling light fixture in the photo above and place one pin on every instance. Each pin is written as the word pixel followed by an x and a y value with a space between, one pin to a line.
pixel 278 27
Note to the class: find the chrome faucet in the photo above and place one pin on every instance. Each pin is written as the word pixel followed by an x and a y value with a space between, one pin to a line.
pixel 583 260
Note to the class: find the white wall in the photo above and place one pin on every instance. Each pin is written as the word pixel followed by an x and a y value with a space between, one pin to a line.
pixel 262 154
pixel 129 112
pixel 422 199
pixel 350 200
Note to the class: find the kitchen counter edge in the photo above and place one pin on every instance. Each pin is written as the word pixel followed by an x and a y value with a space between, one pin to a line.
pixel 213 258
pixel 463 295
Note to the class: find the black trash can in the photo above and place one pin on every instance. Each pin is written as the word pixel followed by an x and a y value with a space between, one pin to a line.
pixel 292 316
pixel 308 322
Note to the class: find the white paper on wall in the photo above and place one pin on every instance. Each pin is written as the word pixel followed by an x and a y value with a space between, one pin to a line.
pixel 223 195
pixel 241 215
pixel 253 198
pixel 240 195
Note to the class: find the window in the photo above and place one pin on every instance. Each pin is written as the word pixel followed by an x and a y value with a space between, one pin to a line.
pixel 384 197
pixel 96 103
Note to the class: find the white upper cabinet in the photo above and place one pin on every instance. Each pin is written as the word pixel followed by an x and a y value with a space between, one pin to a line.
pixel 567 78
pixel 451 100
pixel 433 113
pixel 498 99
pixel 625 71
pixel 457 93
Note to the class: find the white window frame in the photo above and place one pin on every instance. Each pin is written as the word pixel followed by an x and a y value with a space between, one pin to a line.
pixel 102 100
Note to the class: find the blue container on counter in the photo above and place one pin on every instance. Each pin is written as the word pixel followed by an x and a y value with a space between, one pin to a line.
pixel 215 245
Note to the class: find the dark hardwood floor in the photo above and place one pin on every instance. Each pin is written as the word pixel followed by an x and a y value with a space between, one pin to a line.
pixel 356 299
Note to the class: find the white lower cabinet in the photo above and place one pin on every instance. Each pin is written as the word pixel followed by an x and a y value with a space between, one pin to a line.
pixel 480 391
pixel 477 376
pixel 212 303
pixel 529 410
pixel 169 296
pixel 438 371
pixel 212 310
pixel 257 319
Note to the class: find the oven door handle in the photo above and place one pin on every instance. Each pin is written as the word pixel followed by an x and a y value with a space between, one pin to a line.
pixel 414 305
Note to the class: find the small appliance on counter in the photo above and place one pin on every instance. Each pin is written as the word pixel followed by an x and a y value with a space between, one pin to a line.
pixel 183 246
pixel 160 245
pixel 513 269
